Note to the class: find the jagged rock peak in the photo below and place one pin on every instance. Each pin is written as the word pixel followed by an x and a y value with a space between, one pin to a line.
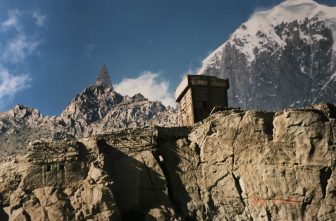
pixel 21 111
pixel 104 78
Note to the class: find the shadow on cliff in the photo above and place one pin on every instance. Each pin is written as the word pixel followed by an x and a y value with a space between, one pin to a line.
pixel 137 187
pixel 3 215
pixel 178 194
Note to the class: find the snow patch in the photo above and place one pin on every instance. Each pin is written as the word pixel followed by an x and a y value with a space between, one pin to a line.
pixel 213 60
pixel 332 78
pixel 319 37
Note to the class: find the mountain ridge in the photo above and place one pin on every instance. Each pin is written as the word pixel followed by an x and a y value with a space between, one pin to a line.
pixel 269 55
pixel 95 110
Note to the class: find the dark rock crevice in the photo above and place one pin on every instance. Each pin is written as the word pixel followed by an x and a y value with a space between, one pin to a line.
pixel 325 174
pixel 238 188
pixel 268 124
pixel 240 191
pixel 176 204
pixel 234 140
pixel 268 215
pixel 27 216
pixel 303 208
pixel 3 215
pixel 161 161
pixel 167 157
pixel 217 181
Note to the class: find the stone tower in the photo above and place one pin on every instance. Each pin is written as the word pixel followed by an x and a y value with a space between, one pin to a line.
pixel 104 78
pixel 198 95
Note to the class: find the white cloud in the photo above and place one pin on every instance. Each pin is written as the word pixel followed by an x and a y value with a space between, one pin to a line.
pixel 18 48
pixel 39 18
pixel 12 20
pixel 149 85
pixel 18 43
pixel 11 84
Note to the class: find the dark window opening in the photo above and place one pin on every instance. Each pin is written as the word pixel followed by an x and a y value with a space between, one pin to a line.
pixel 204 105
pixel 134 215
pixel 61 167
pixel 48 168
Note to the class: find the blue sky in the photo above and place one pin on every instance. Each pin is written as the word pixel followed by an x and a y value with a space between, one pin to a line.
pixel 50 50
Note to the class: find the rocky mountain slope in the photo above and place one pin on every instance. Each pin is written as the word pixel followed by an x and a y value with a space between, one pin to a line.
pixel 95 110
pixel 235 165
pixel 282 57
pixel 99 107
pixel 21 125
pixel 133 112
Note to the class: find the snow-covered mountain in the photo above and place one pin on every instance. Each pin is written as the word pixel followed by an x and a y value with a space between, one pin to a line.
pixel 282 57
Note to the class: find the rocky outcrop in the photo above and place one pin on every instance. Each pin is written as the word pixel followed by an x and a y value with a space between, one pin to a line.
pixel 57 181
pixel 21 125
pixel 133 112
pixel 89 106
pixel 279 58
pixel 235 165
pixel 99 109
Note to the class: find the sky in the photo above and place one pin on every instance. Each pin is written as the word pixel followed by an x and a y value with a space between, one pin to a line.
pixel 50 50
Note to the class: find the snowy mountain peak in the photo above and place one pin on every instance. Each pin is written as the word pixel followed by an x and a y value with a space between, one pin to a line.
pixel 301 9
pixel 260 30
pixel 290 45
pixel 298 2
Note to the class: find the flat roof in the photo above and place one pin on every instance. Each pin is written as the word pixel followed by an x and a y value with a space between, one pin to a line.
pixel 199 80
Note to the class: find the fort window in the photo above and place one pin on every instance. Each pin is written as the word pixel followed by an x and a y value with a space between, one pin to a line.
pixel 61 167
pixel 204 105
pixel 197 95
pixel 48 168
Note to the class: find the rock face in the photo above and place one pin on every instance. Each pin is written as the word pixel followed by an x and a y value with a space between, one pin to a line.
pixel 283 57
pixel 21 124
pixel 99 108
pixel 89 106
pixel 56 181
pixel 104 78
pixel 133 112
pixel 235 165
pixel 255 165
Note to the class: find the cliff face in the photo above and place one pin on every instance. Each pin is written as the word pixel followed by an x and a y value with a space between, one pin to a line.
pixel 235 165
pixel 254 165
